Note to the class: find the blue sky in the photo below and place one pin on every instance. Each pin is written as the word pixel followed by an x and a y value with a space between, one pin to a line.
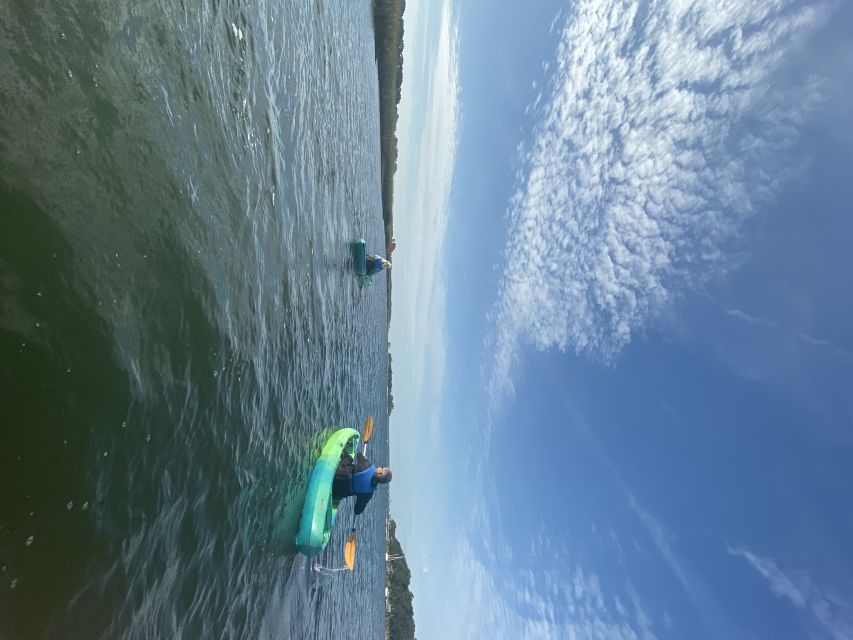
pixel 622 328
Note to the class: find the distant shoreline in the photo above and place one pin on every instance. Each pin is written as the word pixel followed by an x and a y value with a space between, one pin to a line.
pixel 388 29
pixel 399 610
pixel 388 44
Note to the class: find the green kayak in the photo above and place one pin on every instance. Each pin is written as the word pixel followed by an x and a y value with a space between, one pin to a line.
pixel 359 257
pixel 359 261
pixel 320 509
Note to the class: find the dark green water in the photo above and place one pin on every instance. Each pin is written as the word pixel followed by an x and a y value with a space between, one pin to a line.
pixel 179 325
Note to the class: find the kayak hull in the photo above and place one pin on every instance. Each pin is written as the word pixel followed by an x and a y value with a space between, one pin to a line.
pixel 320 509
pixel 359 256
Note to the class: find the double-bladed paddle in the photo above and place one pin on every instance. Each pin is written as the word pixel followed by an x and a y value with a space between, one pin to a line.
pixel 349 547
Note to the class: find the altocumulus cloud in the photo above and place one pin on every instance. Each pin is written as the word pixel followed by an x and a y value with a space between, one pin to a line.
pixel 662 129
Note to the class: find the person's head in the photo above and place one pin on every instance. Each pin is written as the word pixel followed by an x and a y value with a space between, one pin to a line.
pixel 382 475
pixel 385 264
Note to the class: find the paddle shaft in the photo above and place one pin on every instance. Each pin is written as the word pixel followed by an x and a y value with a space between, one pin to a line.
pixel 364 453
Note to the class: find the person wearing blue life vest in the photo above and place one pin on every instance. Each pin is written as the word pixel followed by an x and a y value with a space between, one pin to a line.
pixel 375 264
pixel 358 478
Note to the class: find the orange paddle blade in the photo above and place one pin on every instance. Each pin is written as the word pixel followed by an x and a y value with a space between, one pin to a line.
pixel 368 429
pixel 349 551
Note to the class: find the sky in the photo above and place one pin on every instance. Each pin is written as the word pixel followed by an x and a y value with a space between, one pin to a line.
pixel 622 327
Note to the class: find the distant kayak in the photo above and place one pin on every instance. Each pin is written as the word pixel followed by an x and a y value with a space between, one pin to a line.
pixel 359 256
pixel 320 509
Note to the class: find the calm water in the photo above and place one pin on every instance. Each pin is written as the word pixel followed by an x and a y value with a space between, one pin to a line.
pixel 179 326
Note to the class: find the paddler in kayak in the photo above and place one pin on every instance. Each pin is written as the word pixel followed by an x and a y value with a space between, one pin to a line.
pixel 358 478
pixel 375 264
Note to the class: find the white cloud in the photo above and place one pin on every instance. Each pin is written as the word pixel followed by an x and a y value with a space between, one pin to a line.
pixel 714 619
pixel 780 584
pixel 663 127
pixel 792 334
pixel 557 600
pixel 422 194
pixel 589 611
pixel 831 613
pixel 429 133
pixel 705 604
pixel 787 356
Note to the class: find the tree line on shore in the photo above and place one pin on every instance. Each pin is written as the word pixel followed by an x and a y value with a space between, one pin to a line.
pixel 400 621
pixel 388 29
pixel 388 47
pixel 390 375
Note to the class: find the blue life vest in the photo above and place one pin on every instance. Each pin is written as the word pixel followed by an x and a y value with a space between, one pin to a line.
pixel 374 265
pixel 361 481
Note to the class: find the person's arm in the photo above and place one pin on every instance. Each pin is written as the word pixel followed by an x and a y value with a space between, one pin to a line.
pixel 344 469
pixel 361 501
pixel 362 463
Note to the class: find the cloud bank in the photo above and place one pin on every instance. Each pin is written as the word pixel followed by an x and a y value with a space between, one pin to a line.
pixel 422 191
pixel 428 131
pixel 663 127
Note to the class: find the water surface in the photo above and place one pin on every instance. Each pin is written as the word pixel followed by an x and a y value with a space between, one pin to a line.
pixel 179 325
